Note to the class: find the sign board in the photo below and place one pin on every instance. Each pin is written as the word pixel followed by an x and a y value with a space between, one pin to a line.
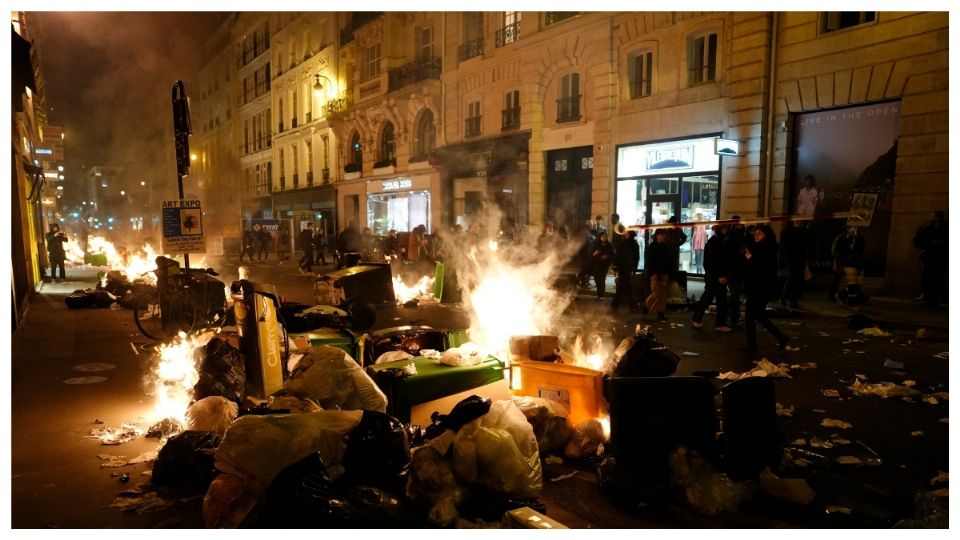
pixel 727 147
pixel 864 202
pixel 183 227
pixel 272 226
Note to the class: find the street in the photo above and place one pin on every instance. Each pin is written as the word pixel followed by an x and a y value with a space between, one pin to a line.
pixel 58 479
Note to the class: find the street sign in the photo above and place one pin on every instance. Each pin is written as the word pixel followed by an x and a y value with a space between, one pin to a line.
pixel 183 227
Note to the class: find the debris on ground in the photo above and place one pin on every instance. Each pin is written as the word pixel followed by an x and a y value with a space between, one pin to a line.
pixel 213 413
pixel 549 420
pixel 330 377
pixel 834 509
pixel 830 422
pixel 862 376
pixel 564 476
pixel 916 433
pixel 164 429
pixel 804 366
pixel 110 462
pixel 882 389
pixel 791 489
pixel 931 400
pixel 763 368
pixel 830 392
pixel 139 499
pixel 874 331
pixel 849 460
pixel 945 420
pixel 854 340
pixel 114 436
pixel 940 478
pixel 689 353
pixel 817 442
pixel 553 460
pixel 799 442
pixel 942 355
pixel 706 491
pixel 785 411
pixel 837 439
pixel 888 363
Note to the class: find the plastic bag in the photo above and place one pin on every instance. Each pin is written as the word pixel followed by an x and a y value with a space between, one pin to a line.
pixel 214 414
pixel 499 452
pixel 467 354
pixel 585 440
pixel 432 481
pixel 221 371
pixel 392 356
pixel 186 460
pixel 705 490
pixel 89 298
pixel 641 355
pixel 548 419
pixel 293 405
pixel 330 377
pixel 377 451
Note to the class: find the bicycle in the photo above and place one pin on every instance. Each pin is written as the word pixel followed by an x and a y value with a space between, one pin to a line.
pixel 182 301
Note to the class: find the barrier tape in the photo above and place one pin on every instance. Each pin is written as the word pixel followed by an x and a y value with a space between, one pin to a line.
pixel 745 221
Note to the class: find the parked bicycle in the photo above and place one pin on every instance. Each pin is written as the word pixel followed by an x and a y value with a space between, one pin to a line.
pixel 182 301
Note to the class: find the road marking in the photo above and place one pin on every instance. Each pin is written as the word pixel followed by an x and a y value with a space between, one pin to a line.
pixel 85 380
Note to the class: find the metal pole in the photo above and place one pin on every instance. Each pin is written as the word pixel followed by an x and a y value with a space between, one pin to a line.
pixel 181 134
pixel 749 221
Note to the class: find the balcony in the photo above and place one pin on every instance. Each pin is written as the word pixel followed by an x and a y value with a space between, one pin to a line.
pixel 413 72
pixel 470 49
pixel 553 17
pixel 508 34
pixel 568 109
pixel 338 106
pixel 471 126
pixel 511 119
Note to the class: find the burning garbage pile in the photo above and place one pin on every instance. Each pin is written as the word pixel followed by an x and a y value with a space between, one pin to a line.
pixel 418 292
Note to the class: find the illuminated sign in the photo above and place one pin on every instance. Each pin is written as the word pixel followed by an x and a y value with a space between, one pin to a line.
pixel 44 151
pixel 51 175
pixel 393 185
pixel 670 157
pixel 727 147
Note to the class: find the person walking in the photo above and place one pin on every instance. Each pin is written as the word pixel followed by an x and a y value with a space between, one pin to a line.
pixel 283 246
pixel 760 282
pixel 656 265
pixel 601 257
pixel 852 248
pixel 932 241
pixel 246 242
pixel 319 248
pixel 716 265
pixel 263 243
pixel 55 252
pixel 416 243
pixel 735 242
pixel 627 257
pixel 797 241
pixel 306 244
pixel 674 237
pixel 583 254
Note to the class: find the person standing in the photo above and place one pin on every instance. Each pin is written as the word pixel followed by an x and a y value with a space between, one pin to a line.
pixel 417 243
pixel 246 242
pixel 674 237
pixel 601 257
pixel 932 241
pixel 306 244
pixel 57 255
pixel 616 237
pixel 735 242
pixel 808 196
pixel 760 282
pixel 283 245
pixel 263 243
pixel 627 258
pixel 583 254
pixel 697 245
pixel 716 266
pixel 319 247
pixel 797 240
pixel 656 265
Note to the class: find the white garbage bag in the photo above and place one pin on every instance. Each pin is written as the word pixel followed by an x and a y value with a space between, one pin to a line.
pixel 213 413
pixel 330 377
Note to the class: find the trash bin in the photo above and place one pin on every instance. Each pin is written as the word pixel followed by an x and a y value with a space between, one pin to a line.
pixel 370 282
pixel 750 435
pixel 256 306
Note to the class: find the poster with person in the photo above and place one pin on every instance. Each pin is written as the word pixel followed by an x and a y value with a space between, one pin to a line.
pixel 846 152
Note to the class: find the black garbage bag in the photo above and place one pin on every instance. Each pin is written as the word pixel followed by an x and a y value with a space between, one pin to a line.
pixel 116 283
pixel 302 496
pixel 641 355
pixel 132 296
pixel 221 371
pixel 89 298
pixel 377 452
pixel 186 461
pixel 467 410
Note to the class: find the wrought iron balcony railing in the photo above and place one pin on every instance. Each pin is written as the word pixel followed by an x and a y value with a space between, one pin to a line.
pixel 511 118
pixel 568 109
pixel 508 34
pixel 470 49
pixel 413 72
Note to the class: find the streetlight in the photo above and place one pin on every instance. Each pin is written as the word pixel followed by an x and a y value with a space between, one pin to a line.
pixel 318 86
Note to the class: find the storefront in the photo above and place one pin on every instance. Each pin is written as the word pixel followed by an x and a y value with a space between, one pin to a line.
pixel 312 207
pixel 679 177
pixel 400 204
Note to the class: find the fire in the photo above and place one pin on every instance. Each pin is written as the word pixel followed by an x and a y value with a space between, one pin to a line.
pixel 75 254
pixel 136 265
pixel 175 375
pixel 591 352
pixel 405 293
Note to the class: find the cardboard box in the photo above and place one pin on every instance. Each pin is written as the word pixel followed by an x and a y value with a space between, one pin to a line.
pixel 535 347
pixel 528 518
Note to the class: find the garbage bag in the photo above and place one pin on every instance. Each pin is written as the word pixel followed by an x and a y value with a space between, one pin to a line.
pixel 392 356
pixel 499 451
pixel 330 377
pixel 186 460
pixel 432 482
pixel 466 410
pixel 548 419
pixel 705 490
pixel 116 283
pixel 213 413
pixel 302 496
pixel 585 440
pixel 131 297
pixel 89 298
pixel 221 371
pixel 378 451
pixel 467 354
pixel 641 355
pixel 227 502
pixel 293 405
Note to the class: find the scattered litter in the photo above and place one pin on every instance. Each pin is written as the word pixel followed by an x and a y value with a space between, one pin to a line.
pixel 690 353
pixel 942 492
pixel 909 383
pixel 844 351
pixel 908 399
pixel 564 476
pixel 791 489
pixel 124 478
pixel 819 411
pixel 833 509
pixel 97 366
pixel 804 366
pixel 707 491
pixel 139 501
pixel 916 433
pixel 882 389
pixel 817 442
pixel 874 332
pixel 837 439
pixel 164 429
pixel 111 462
pixel 84 380
pixel 785 411
pixel 942 355
pixel 849 341
pixel 944 396
pixel 888 363
pixel 861 352
pixel 113 436
pixel 849 460
pixel 799 442
pixel 553 460
pixel 940 478
pixel 931 400
pixel 824 334
pixel 830 422
pixel 144 458
pixel 830 392
pixel 795 323
pixel 763 368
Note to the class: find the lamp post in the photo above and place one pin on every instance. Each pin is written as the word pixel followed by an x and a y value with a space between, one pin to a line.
pixel 318 86
pixel 181 136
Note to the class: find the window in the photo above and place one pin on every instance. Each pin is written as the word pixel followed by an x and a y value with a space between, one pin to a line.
pixel 280 110
pixel 283 179
pixel 326 158
pixel 295 106
pixel 640 74
pixel 568 105
pixel 838 20
pixel 510 29
pixel 425 42
pixel 296 165
pixel 553 17
pixel 426 134
pixel 472 35
pixel 309 144
pixel 511 110
pixel 388 145
pixel 371 61
pixel 471 127
pixel 702 58
pixel 356 150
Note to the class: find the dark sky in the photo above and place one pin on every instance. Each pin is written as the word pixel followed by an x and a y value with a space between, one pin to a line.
pixel 109 77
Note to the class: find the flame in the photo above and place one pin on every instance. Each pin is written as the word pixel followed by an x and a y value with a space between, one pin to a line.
pixel 591 352
pixel 75 254
pixel 605 424
pixel 405 293
pixel 175 375
pixel 136 265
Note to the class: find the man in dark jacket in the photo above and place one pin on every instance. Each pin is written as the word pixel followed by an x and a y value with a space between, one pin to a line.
pixel 674 238
pixel 306 244
pixel 716 265
pixel 797 241
pixel 760 281
pixel 626 257
pixel 246 241
pixel 601 257
pixel 656 266
pixel 735 241
pixel 57 255
pixel 931 240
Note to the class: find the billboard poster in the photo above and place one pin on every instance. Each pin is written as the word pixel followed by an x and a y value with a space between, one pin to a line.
pixel 183 227
pixel 851 155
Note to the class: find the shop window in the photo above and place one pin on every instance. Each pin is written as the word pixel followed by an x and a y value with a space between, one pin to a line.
pixel 568 104
pixel 399 211
pixel 702 58
pixel 838 20
pixel 640 74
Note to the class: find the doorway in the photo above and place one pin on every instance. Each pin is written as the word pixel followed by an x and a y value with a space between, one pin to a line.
pixel 569 187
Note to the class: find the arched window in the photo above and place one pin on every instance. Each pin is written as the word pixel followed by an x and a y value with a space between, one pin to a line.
pixel 388 145
pixel 356 150
pixel 426 134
